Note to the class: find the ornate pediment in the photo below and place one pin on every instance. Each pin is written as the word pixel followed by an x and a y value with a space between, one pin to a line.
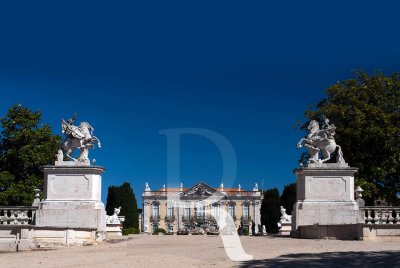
pixel 199 190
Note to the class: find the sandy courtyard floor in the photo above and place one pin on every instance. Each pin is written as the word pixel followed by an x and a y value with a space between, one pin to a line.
pixel 208 251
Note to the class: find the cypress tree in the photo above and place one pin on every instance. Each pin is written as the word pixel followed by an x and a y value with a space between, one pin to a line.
pixel 113 199
pixel 288 197
pixel 270 213
pixel 124 197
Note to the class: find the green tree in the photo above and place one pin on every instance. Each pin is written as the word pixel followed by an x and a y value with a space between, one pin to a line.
pixel 366 110
pixel 113 199
pixel 124 197
pixel 288 197
pixel 25 145
pixel 270 213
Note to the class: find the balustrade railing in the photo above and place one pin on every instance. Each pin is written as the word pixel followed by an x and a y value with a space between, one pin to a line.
pixel 381 215
pixel 17 215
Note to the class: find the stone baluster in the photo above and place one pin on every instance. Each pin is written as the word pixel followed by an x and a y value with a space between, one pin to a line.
pixel 384 217
pixel 6 217
pixel 368 220
pixel 397 216
pixel 390 217
pixel 1 216
pixel 13 217
pixel 376 216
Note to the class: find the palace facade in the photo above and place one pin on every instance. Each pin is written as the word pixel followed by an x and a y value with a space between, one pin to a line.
pixel 176 209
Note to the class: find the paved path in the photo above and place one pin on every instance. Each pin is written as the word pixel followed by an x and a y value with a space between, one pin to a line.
pixel 208 251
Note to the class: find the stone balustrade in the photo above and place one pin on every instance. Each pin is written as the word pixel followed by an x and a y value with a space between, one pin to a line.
pixel 381 215
pixel 17 215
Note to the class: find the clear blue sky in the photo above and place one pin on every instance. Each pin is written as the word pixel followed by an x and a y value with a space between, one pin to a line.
pixel 244 69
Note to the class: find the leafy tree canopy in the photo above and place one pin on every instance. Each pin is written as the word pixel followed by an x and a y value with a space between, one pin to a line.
pixel 25 145
pixel 366 111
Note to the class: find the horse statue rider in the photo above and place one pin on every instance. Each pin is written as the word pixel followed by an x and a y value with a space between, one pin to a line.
pixel 321 140
pixel 81 138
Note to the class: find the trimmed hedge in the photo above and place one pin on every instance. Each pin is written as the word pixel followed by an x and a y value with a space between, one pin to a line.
pixel 128 231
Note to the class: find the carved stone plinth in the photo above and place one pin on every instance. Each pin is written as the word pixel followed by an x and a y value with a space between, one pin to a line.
pixel 286 228
pixel 114 229
pixel 325 204
pixel 72 198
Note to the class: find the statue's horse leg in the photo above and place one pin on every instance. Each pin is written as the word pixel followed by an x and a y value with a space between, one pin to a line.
pixel 326 154
pixel 69 149
pixel 339 156
pixel 313 152
pixel 84 154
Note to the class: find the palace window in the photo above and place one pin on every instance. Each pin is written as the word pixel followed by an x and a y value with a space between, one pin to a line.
pixel 214 211
pixel 156 211
pixel 245 211
pixel 186 213
pixel 231 210
pixel 200 212
pixel 170 211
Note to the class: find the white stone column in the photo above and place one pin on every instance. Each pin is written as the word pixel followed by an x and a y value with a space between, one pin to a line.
pixel 180 215
pixel 257 215
pixel 146 217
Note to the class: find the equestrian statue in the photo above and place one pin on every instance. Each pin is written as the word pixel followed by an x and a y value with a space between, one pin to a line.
pixel 321 141
pixel 77 137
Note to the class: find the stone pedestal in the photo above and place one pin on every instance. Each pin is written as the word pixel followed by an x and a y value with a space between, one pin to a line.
pixel 325 204
pixel 114 229
pixel 72 198
pixel 286 228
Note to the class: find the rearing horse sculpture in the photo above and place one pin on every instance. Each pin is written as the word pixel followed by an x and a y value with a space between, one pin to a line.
pixel 321 140
pixel 78 137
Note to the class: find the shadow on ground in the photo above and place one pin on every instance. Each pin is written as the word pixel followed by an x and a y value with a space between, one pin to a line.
pixel 330 259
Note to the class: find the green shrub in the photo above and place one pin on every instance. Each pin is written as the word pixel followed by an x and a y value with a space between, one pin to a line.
pixel 245 231
pixel 159 230
pixel 133 231
pixel 125 231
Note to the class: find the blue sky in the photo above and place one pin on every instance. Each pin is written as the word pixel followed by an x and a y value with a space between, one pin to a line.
pixel 244 69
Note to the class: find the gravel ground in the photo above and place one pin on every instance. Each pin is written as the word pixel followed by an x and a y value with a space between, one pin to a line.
pixel 208 251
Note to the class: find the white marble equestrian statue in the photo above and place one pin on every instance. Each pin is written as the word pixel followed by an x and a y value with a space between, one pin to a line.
pixel 78 138
pixel 321 140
